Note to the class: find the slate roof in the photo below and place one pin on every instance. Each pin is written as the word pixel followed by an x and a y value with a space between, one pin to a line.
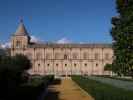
pixel 21 30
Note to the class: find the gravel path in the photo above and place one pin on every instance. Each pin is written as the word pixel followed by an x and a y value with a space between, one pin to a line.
pixel 66 89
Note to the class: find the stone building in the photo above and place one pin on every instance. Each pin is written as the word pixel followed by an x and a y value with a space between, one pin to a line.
pixel 61 59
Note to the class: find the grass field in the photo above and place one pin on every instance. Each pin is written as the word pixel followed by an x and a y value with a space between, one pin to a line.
pixel 102 91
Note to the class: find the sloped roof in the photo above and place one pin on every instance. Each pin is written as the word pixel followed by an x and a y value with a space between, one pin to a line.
pixel 21 30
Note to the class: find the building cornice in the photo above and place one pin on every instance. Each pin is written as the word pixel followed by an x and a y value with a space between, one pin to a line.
pixel 72 45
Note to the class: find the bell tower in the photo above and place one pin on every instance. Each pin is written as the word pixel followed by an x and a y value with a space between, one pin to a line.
pixel 20 39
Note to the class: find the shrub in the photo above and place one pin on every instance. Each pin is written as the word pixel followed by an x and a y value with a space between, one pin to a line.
pixel 32 89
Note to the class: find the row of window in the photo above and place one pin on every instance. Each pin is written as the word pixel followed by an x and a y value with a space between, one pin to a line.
pixel 62 72
pixel 66 56
pixel 74 56
pixel 66 64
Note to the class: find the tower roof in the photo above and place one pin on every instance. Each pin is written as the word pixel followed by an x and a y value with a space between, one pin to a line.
pixel 21 30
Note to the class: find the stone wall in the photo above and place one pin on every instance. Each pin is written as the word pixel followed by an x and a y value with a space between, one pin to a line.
pixel 68 61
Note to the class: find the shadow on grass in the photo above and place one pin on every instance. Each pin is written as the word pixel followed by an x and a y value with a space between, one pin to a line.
pixel 52 95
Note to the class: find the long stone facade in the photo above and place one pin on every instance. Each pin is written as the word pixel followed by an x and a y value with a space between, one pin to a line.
pixel 61 59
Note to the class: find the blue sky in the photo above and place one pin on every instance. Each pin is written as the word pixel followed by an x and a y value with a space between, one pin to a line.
pixel 51 20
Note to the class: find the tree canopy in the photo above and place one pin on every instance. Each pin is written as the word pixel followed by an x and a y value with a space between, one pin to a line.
pixel 122 33
pixel 12 70
pixel 108 67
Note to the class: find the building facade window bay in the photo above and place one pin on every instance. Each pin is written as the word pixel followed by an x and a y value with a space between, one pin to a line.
pixel 38 55
pixel 57 55
pixel 75 56
pixel 85 55
pixel 96 56
pixel 106 56
pixel 48 56
pixel 65 56
pixel 18 44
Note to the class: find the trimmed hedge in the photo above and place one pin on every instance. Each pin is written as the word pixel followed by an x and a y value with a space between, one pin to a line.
pixel 101 91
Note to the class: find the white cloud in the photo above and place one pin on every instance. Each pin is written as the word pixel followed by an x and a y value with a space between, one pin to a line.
pixel 6 45
pixel 35 39
pixel 81 42
pixel 63 41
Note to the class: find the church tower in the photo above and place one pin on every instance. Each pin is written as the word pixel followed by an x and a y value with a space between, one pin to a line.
pixel 20 39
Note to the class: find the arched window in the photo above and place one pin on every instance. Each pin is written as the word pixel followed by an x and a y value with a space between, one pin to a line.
pixel 85 64
pixel 65 65
pixel 18 44
pixel 65 56
pixel 48 64
pixel 56 64
pixel 96 64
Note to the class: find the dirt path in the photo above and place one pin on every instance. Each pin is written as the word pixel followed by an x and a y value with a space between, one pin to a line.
pixel 66 89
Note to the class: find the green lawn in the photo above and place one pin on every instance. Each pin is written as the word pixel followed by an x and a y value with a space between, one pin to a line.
pixel 101 91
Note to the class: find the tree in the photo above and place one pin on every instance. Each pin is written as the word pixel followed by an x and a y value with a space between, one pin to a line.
pixel 122 33
pixel 108 67
pixel 21 62
pixel 12 70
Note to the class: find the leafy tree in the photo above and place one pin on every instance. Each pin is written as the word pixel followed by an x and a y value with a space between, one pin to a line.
pixel 12 70
pixel 21 62
pixel 122 33
pixel 108 67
